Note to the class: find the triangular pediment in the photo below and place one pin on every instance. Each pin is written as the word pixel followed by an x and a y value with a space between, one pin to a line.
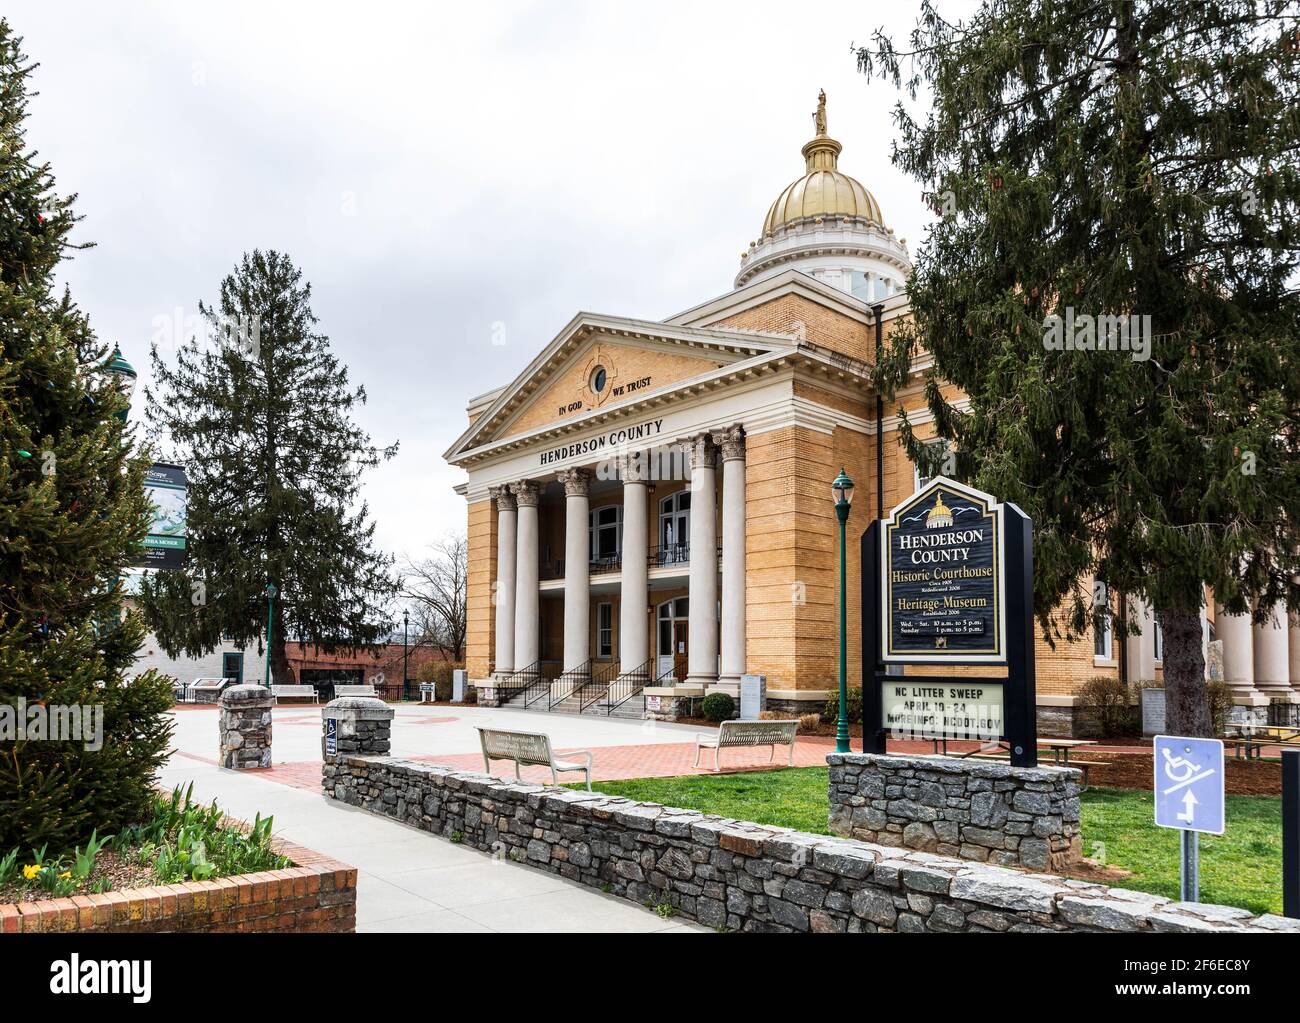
pixel 598 363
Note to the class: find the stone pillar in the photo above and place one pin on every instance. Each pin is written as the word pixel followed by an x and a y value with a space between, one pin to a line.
pixel 633 625
pixel 1141 650
pixel 732 444
pixel 362 726
pixel 527 497
pixel 1272 672
pixel 1293 648
pixel 246 726
pixel 577 570
pixel 702 656
pixel 1238 652
pixel 503 592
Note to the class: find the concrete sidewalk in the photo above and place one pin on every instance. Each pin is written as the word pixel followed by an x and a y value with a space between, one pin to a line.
pixel 409 880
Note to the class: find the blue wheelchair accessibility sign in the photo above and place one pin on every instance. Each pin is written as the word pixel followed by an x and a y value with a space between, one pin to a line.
pixel 1189 783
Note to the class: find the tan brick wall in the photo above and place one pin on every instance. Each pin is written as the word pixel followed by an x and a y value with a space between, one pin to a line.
pixel 794 314
pixel 480 641
pixel 625 364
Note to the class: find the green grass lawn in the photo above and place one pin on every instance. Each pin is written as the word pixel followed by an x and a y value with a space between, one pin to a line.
pixel 1242 867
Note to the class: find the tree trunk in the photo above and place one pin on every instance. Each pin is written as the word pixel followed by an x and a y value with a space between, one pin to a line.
pixel 1187 705
pixel 281 673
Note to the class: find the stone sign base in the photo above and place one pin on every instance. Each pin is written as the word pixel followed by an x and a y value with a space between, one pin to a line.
pixel 971 809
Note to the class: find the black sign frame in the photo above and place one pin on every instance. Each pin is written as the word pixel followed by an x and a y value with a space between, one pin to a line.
pixel 1019 686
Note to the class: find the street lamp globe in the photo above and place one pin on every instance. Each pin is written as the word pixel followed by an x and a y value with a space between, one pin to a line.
pixel 123 375
pixel 842 490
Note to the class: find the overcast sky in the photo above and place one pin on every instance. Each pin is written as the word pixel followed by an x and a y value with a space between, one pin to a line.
pixel 436 170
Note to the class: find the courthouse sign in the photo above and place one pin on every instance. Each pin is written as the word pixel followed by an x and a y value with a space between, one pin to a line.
pixel 947 580
pixel 944 581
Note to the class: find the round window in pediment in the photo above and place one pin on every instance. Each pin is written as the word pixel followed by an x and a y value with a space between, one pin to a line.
pixel 599 378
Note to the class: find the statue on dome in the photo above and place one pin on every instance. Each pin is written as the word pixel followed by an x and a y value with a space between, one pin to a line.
pixel 819 118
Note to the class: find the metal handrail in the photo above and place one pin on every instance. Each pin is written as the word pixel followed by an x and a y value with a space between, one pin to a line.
pixel 595 690
pixel 539 686
pixel 627 685
pixel 670 554
pixel 526 680
pixel 576 677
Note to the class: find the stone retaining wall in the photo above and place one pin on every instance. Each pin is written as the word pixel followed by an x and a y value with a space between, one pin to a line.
pixel 975 810
pixel 741 876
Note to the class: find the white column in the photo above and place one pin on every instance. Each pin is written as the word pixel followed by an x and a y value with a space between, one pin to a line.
pixel 577 570
pixel 503 590
pixel 526 641
pixel 1272 674
pixel 1141 650
pixel 1238 651
pixel 1293 647
pixel 702 655
pixel 633 626
pixel 732 444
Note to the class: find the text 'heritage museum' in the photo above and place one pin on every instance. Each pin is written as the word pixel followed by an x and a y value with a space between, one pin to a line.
pixel 649 502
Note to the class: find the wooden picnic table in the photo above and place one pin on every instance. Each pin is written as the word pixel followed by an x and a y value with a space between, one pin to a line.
pixel 1252 741
pixel 1060 748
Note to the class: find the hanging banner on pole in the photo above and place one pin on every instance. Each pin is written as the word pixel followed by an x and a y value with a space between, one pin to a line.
pixel 164 546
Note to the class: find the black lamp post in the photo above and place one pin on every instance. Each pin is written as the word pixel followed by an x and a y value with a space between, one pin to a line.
pixel 406 621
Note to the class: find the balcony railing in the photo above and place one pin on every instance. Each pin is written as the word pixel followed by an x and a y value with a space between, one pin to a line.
pixel 658 557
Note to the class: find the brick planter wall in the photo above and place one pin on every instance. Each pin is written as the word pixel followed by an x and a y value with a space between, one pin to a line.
pixel 316 895
pixel 743 876
pixel 972 809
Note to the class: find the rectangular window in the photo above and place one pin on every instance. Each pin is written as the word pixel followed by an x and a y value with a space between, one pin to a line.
pixel 604 630
pixel 1101 638
pixel 1159 643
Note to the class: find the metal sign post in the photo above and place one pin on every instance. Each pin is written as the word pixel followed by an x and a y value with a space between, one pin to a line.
pixel 1291 833
pixel 1189 797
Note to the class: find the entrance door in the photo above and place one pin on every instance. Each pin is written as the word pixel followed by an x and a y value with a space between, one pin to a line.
pixel 679 649
pixel 671 643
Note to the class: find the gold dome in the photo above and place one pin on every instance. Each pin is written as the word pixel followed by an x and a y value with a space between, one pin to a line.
pixel 823 191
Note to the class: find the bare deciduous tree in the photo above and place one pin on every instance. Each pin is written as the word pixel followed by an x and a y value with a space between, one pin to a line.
pixel 436 588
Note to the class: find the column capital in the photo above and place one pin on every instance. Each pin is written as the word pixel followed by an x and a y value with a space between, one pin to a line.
pixel 502 496
pixel 732 443
pixel 527 493
pixel 703 453
pixel 577 482
pixel 632 467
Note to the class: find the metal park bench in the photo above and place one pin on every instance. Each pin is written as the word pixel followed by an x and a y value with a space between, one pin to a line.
pixel 207 688
pixel 355 690
pixel 528 748
pixel 731 734
pixel 287 691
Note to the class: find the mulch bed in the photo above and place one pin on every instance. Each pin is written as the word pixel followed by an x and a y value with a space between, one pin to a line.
pixel 115 870
pixel 1134 771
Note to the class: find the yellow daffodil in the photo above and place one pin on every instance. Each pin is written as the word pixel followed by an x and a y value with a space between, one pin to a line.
pixel 65 875
pixel 31 870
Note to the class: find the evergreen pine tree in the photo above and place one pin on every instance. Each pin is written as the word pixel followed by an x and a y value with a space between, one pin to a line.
pixel 258 412
pixel 73 513
pixel 1101 159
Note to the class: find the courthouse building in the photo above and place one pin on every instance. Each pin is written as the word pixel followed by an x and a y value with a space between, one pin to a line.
pixel 649 508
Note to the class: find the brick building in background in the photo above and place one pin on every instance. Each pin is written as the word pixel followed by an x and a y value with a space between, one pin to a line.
pixel 649 502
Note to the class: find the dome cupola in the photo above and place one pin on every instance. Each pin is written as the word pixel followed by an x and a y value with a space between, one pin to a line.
pixel 829 226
